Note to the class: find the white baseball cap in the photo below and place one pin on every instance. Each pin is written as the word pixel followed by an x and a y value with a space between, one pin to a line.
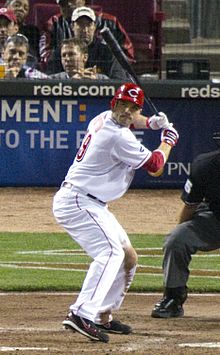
pixel 83 11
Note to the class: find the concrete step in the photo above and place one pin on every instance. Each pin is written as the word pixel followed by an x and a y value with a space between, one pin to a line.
pixel 176 9
pixel 185 52
pixel 176 31
pixel 214 76
pixel 196 48
pixel 178 40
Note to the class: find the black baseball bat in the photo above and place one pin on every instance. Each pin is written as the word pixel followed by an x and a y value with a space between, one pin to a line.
pixel 123 60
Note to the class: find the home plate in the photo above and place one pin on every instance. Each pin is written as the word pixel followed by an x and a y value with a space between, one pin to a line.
pixel 16 348
pixel 200 345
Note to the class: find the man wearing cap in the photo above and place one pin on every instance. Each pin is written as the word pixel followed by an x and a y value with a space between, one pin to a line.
pixel 14 57
pixel 58 28
pixel 21 10
pixel 84 26
pixel 8 25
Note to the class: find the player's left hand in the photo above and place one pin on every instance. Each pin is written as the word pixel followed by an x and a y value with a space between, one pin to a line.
pixel 159 121
pixel 170 135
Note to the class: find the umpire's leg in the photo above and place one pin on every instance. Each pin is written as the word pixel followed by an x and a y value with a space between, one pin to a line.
pixel 200 233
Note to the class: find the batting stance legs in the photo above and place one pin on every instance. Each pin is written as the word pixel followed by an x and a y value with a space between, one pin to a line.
pixel 97 231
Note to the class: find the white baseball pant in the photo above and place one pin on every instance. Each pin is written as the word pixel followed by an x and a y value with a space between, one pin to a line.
pixel 97 231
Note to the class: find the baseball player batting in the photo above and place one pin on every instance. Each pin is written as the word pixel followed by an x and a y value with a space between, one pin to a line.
pixel 102 171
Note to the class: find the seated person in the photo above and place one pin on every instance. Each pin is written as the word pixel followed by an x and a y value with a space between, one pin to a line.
pixel 84 26
pixel 57 28
pixel 74 55
pixel 8 26
pixel 14 56
pixel 21 10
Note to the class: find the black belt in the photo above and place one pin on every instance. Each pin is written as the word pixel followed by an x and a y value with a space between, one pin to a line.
pixel 95 198
pixel 68 185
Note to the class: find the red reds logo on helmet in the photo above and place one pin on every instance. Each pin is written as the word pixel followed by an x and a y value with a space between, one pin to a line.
pixel 133 92
pixel 129 92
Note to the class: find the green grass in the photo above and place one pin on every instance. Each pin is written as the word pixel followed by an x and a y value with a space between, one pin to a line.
pixel 42 262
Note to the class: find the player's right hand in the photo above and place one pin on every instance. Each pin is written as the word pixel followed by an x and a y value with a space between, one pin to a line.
pixel 158 121
pixel 170 135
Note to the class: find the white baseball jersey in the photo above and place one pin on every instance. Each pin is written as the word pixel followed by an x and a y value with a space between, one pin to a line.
pixel 107 159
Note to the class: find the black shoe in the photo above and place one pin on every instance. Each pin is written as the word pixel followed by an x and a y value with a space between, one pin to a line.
pixel 85 327
pixel 167 308
pixel 115 326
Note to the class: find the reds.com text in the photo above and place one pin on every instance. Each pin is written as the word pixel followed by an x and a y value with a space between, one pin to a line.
pixel 67 90
pixel 204 92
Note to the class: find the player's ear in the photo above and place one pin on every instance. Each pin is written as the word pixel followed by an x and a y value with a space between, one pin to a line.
pixel 113 105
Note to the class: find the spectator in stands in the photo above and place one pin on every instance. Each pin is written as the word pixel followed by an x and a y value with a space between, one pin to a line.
pixel 84 26
pixel 74 55
pixel 8 26
pixel 58 28
pixel 21 10
pixel 14 55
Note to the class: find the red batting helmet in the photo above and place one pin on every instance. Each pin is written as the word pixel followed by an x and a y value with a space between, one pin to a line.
pixel 129 92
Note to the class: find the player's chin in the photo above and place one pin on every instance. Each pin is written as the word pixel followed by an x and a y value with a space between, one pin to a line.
pixel 125 121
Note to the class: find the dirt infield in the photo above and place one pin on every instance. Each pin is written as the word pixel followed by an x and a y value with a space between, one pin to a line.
pixel 31 323
pixel 139 211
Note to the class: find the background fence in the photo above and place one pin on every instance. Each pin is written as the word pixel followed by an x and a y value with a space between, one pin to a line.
pixel 43 124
